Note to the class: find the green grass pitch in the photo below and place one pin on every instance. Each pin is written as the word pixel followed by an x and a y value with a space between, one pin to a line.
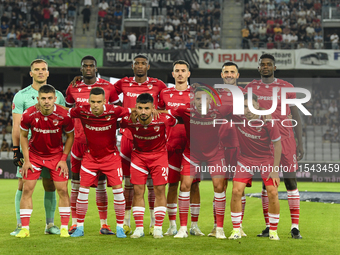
pixel 319 225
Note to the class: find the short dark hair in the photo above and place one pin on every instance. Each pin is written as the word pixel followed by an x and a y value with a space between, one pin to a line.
pixel 88 57
pixel 181 62
pixel 245 96
pixel 46 89
pixel 141 56
pixel 97 91
pixel 204 89
pixel 266 55
pixel 230 64
pixel 144 98
pixel 37 61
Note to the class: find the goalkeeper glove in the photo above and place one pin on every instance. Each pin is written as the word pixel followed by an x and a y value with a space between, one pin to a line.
pixel 18 158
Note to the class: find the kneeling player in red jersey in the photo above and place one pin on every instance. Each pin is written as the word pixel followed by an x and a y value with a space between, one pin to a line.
pixel 45 149
pixel 149 156
pixel 256 155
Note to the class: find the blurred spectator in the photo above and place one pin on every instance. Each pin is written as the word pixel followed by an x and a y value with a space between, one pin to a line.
pixel 2 42
pixel 335 41
pixel 102 13
pixel 158 45
pixel 9 127
pixel 103 5
pixel 116 38
pixel 108 37
pixel 168 45
pixel 327 136
pixel 125 40
pixel 86 18
pixel 5 146
pixel 71 10
pixel 245 34
pixel 154 5
pixel 132 39
pixel 270 44
pixel 318 41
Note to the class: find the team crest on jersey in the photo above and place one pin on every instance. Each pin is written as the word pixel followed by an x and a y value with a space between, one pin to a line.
pixel 150 86
pixel 191 95
pixel 55 122
pixel 137 128
pixel 259 129
pixel 258 87
pixel 213 115
pixel 36 120
pixel 79 90
pixel 108 117
pixel 156 128
pixel 167 116
pixel 180 93
pixel 87 116
pixel 171 95
pixel 131 84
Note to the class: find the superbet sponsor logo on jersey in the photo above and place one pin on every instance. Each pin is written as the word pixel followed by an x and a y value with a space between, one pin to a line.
pixel 82 100
pixel 175 104
pixel 129 94
pixel 46 131
pixel 98 128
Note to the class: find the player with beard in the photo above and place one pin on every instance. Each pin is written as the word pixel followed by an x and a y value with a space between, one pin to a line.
pixel 228 134
pixel 132 87
pixel 171 98
pixel 291 153
pixel 149 157
pixel 78 94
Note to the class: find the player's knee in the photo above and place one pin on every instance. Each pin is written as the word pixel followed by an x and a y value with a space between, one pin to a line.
pixel 185 186
pixel 48 185
pixel 272 193
pixel 138 190
pixel 237 192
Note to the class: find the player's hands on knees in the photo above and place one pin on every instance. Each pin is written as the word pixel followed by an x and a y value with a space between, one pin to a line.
pixel 75 79
pixel 299 152
pixel 275 177
pixel 63 168
pixel 26 166
pixel 18 158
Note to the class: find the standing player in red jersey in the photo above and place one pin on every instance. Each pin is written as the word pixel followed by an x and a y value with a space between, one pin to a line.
pixel 45 149
pixel 291 153
pixel 228 134
pixel 78 94
pixel 99 122
pixel 132 87
pixel 256 155
pixel 171 98
pixel 203 145
pixel 149 157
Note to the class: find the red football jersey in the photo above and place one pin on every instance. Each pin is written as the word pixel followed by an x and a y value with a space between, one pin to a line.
pixel 46 140
pixel 171 98
pixel 227 132
pixel 132 89
pixel 202 137
pixel 100 131
pixel 80 94
pixel 265 97
pixel 255 141
pixel 150 138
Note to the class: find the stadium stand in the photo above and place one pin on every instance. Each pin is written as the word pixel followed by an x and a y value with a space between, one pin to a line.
pixel 287 24
pixel 35 23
